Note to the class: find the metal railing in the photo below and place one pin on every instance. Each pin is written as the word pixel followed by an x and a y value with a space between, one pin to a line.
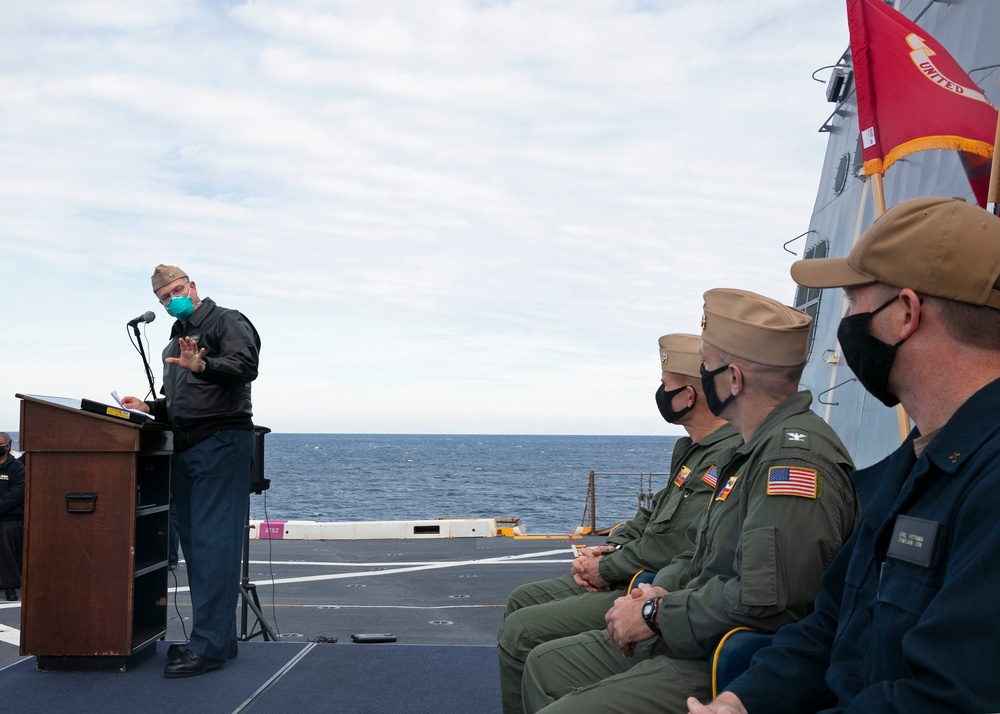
pixel 642 497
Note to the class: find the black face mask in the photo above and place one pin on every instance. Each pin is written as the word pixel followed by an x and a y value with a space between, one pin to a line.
pixel 715 405
pixel 664 401
pixel 868 357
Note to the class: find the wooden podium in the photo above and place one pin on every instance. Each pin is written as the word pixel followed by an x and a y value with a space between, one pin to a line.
pixel 97 516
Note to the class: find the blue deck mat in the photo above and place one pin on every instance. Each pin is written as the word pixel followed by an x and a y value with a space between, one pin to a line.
pixel 369 679
pixel 143 689
pixel 387 679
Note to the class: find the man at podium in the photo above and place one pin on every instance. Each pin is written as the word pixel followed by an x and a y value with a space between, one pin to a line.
pixel 208 365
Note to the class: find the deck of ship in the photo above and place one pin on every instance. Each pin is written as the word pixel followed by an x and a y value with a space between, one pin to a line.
pixel 442 598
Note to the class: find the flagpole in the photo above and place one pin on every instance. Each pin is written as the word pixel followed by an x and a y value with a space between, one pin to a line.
pixel 878 194
pixel 993 195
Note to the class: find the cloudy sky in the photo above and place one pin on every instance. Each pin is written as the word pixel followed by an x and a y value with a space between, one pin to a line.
pixel 444 216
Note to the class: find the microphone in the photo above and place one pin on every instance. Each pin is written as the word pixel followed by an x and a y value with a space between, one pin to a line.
pixel 148 316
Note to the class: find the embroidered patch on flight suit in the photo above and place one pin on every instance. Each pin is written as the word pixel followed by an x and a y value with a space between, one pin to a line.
pixel 792 481
pixel 724 493
pixel 711 477
pixel 796 437
pixel 682 476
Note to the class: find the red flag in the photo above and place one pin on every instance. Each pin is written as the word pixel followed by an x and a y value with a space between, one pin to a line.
pixel 912 95
pixel 977 170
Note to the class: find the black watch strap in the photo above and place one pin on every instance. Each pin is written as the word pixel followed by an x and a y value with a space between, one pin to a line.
pixel 650 609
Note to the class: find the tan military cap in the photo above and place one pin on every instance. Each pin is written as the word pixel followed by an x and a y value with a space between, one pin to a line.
pixel 943 247
pixel 680 354
pixel 166 274
pixel 755 328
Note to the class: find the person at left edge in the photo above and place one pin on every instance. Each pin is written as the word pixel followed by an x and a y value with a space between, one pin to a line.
pixel 208 365
pixel 11 518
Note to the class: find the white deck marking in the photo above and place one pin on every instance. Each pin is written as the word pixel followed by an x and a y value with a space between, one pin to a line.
pixel 10 635
pixel 417 568
pixel 381 565
pixel 410 568
pixel 398 607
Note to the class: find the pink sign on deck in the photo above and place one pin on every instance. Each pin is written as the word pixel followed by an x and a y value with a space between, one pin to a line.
pixel 272 530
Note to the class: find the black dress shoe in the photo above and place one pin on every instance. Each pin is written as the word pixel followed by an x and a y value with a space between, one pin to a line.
pixel 175 651
pixel 11 593
pixel 191 665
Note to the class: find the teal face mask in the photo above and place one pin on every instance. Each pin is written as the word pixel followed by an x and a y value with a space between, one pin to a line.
pixel 180 306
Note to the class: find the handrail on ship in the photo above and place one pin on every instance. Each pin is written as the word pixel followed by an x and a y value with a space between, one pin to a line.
pixel 643 497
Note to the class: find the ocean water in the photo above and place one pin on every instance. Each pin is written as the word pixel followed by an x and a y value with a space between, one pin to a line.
pixel 366 477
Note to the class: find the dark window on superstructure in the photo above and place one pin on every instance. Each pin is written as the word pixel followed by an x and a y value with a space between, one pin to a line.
pixel 808 299
pixel 840 178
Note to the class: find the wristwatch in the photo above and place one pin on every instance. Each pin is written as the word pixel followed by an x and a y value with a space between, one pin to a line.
pixel 650 609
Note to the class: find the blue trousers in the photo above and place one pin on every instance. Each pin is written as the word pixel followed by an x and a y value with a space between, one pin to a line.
pixel 211 496
pixel 11 549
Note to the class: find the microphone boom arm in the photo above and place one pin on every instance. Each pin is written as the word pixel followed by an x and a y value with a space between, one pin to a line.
pixel 134 324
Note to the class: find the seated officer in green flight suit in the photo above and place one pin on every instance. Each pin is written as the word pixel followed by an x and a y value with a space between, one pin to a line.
pixel 783 506
pixel 576 602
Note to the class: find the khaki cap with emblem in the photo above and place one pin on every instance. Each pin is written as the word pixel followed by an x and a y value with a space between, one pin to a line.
pixel 755 328
pixel 166 274
pixel 680 354
pixel 942 247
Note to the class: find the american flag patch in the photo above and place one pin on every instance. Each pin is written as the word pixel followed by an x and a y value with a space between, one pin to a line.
pixel 791 481
pixel 711 477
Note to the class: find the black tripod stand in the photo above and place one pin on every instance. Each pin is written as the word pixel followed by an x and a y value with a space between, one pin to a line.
pixel 248 591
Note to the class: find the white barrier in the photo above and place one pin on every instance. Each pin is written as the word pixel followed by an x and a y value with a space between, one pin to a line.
pixel 377 530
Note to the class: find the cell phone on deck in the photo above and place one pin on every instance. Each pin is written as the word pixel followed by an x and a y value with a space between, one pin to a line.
pixel 374 637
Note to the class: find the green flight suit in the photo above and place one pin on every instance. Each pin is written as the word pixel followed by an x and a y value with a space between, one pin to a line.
pixel 550 609
pixel 783 506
